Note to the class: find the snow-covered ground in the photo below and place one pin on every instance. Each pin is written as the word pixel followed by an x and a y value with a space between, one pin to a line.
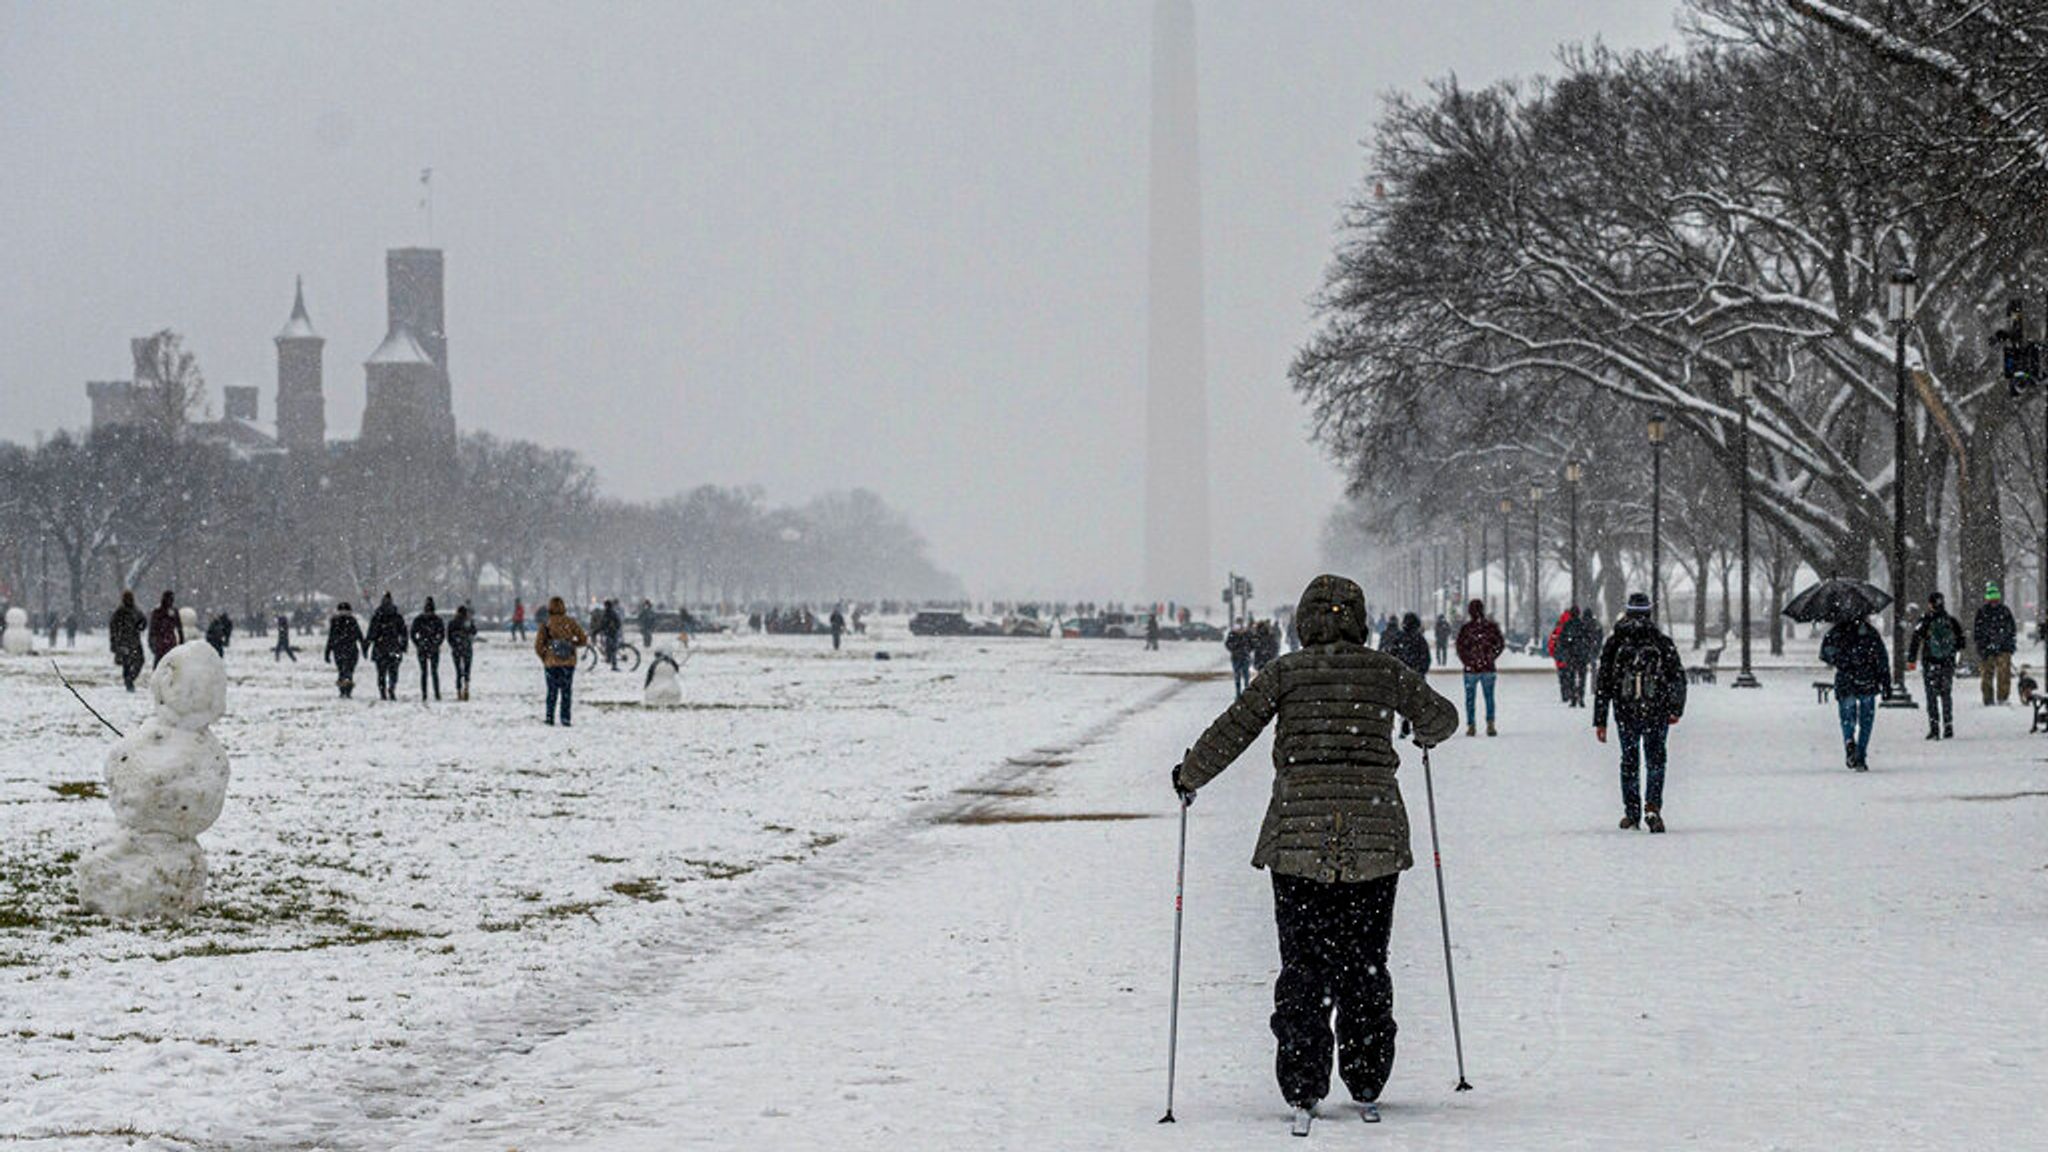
pixel 839 903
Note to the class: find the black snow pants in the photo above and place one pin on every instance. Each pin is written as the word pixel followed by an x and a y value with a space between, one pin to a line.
pixel 1939 678
pixel 387 676
pixel 430 668
pixel 1333 956
pixel 345 675
pixel 131 667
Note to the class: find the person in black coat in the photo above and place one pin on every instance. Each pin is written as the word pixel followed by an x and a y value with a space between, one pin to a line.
pixel 1937 638
pixel 462 648
pixel 345 645
pixel 219 631
pixel 124 637
pixel 283 646
pixel 428 631
pixel 166 629
pixel 385 643
pixel 1410 646
pixel 1863 670
pixel 1996 635
pixel 1643 680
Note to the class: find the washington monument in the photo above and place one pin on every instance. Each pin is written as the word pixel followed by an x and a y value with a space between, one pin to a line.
pixel 1177 402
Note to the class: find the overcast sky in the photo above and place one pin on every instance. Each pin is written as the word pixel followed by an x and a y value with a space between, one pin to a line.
pixel 808 246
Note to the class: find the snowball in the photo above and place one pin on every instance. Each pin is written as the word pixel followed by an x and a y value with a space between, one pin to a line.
pixel 18 641
pixel 190 686
pixel 142 874
pixel 166 779
pixel 190 620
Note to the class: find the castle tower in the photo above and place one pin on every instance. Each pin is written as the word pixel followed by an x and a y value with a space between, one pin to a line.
pixel 409 398
pixel 412 278
pixel 1176 402
pixel 301 398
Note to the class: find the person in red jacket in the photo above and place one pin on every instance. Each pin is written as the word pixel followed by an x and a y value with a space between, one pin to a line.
pixel 1479 645
pixel 1557 652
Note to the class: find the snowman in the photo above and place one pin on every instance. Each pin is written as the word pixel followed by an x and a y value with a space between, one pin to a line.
pixel 166 781
pixel 664 690
pixel 16 640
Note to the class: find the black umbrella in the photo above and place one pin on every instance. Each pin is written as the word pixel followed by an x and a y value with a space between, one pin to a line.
pixel 1837 599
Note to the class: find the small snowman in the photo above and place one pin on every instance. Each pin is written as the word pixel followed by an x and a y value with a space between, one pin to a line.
pixel 664 690
pixel 16 640
pixel 189 619
pixel 166 781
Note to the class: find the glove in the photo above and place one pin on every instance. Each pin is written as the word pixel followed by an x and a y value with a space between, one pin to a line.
pixel 1600 733
pixel 1186 794
pixel 1671 722
pixel 1913 666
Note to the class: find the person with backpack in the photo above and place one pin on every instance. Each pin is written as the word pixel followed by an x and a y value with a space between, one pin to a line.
pixel 556 640
pixel 386 641
pixel 1937 638
pixel 1643 680
pixel 124 638
pixel 345 645
pixel 428 632
pixel 1479 646
pixel 1863 671
pixel 1996 636
pixel 1335 837
pixel 462 648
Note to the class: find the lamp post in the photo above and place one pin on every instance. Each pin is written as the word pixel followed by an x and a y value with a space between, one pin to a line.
pixel 1743 385
pixel 1506 558
pixel 1902 297
pixel 1573 473
pixel 1657 430
pixel 1535 565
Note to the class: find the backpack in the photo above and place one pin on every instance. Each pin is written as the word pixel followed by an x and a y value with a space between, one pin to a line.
pixel 1941 639
pixel 1642 674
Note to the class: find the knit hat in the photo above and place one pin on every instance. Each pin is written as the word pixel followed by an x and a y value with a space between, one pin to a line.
pixel 1639 604
pixel 1991 589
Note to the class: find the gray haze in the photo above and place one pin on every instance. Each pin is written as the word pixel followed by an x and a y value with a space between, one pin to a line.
pixel 809 246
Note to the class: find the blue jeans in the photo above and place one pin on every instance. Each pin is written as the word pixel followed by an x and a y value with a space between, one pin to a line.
pixel 561 683
pixel 1473 681
pixel 1642 751
pixel 1242 671
pixel 1858 714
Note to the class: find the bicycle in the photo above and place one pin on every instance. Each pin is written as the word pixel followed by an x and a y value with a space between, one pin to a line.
pixel 593 656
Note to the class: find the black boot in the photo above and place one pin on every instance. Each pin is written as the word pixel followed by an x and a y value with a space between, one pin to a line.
pixel 1849 754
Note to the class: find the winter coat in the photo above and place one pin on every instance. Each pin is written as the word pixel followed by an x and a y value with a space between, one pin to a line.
pixel 219 631
pixel 1410 647
pixel 1857 653
pixel 124 631
pixel 428 630
pixel 1580 641
pixel 166 630
pixel 1239 644
pixel 1336 812
pixel 345 641
pixel 386 639
pixel 559 626
pixel 462 634
pixel 1993 629
pixel 1641 676
pixel 1480 643
pixel 1923 633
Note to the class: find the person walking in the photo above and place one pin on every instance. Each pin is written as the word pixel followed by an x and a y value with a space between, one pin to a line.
pixel 1239 644
pixel 345 645
pixel 838 623
pixel 462 648
pixel 1479 646
pixel 1936 639
pixel 1643 680
pixel 387 646
pixel 219 631
pixel 1443 638
pixel 166 629
pixel 1410 646
pixel 1581 642
pixel 556 641
pixel 1554 648
pixel 1863 669
pixel 1335 837
pixel 518 619
pixel 1265 645
pixel 428 631
pixel 283 647
pixel 124 637
pixel 1152 632
pixel 1996 636
pixel 609 626
pixel 645 618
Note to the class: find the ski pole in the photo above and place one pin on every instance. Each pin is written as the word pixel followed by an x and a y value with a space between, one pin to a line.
pixel 1180 883
pixel 1436 852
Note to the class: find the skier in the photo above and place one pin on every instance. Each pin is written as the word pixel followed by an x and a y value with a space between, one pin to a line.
pixel 518 619
pixel 462 648
pixel 555 641
pixel 1996 636
pixel 166 629
pixel 1936 640
pixel 284 640
pixel 838 628
pixel 345 645
pixel 219 631
pixel 1335 836
pixel 386 641
pixel 1479 645
pixel 1643 679
pixel 1863 669
pixel 428 631
pixel 124 637
pixel 1239 644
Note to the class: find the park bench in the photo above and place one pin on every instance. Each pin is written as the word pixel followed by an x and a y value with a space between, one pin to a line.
pixel 1704 674
pixel 2040 723
pixel 1823 691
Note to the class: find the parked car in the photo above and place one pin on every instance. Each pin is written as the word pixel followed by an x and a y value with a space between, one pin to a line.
pixel 1197 630
pixel 940 624
pixel 1024 626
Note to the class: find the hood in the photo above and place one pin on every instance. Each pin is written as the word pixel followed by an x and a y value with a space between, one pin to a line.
pixel 556 607
pixel 1332 609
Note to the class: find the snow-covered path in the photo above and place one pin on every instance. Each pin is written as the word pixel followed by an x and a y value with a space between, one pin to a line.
pixel 1810 960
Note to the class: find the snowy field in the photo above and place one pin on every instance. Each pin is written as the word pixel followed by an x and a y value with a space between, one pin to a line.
pixel 839 903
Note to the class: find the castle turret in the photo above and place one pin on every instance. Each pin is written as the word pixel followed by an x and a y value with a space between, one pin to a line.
pixel 301 396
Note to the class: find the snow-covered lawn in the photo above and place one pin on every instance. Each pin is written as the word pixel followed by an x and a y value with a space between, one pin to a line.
pixel 831 905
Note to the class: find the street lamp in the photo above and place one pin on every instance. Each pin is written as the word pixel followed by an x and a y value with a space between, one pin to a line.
pixel 1506 558
pixel 1535 565
pixel 1743 385
pixel 1573 473
pixel 1657 430
pixel 1901 298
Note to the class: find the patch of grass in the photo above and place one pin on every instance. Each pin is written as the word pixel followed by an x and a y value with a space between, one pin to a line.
pixel 720 870
pixel 644 888
pixel 981 816
pixel 598 858
pixel 80 790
